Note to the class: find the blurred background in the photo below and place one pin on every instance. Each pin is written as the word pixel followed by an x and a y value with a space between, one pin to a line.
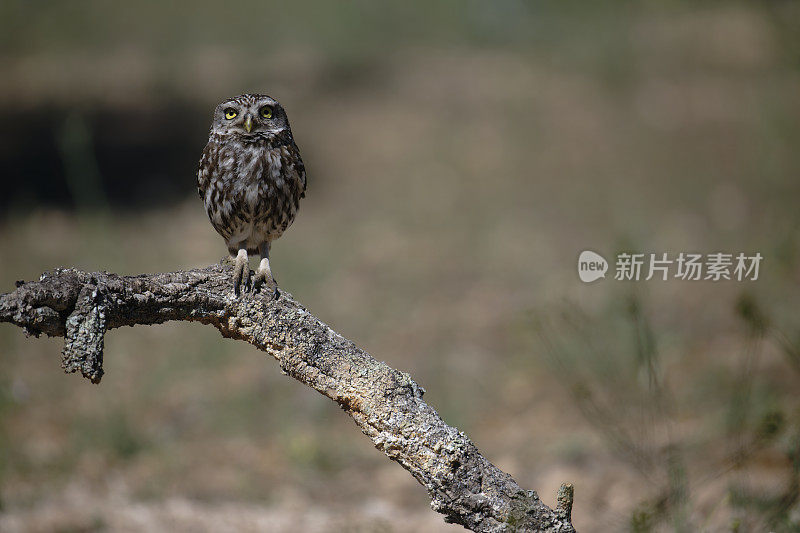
pixel 460 156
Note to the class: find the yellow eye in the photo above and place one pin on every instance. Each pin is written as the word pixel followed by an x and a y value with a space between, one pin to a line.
pixel 266 111
pixel 230 113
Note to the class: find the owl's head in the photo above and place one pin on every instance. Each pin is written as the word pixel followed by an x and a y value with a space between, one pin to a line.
pixel 249 115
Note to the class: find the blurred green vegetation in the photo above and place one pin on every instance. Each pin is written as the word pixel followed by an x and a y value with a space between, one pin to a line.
pixel 723 420
pixel 460 156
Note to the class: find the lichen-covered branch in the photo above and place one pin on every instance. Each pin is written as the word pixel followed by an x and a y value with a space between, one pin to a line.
pixel 385 403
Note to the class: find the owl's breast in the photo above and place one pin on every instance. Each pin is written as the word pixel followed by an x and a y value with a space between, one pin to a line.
pixel 251 192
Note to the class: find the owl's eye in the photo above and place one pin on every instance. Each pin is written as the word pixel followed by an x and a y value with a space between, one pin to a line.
pixel 230 113
pixel 266 111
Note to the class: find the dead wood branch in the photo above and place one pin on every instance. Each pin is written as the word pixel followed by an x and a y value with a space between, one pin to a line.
pixel 385 403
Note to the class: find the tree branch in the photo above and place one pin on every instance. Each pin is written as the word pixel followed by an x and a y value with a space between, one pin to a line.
pixel 385 403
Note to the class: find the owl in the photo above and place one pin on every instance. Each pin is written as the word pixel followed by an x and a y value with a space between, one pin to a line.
pixel 251 179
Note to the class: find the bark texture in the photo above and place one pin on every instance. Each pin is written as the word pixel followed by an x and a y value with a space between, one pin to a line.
pixel 385 403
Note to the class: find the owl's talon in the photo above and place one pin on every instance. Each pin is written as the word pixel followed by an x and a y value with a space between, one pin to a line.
pixel 263 280
pixel 246 280
pixel 271 289
pixel 241 273
pixel 242 284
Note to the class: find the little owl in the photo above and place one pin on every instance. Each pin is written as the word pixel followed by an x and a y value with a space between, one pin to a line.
pixel 251 179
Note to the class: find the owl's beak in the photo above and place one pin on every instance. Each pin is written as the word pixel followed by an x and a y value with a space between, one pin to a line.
pixel 248 123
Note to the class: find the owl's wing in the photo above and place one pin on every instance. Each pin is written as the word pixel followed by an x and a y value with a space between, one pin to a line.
pixel 301 170
pixel 296 167
pixel 205 169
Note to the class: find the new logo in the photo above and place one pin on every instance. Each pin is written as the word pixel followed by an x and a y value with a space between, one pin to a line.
pixel 591 266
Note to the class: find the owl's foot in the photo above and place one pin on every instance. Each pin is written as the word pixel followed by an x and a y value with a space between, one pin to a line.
pixel 241 273
pixel 263 281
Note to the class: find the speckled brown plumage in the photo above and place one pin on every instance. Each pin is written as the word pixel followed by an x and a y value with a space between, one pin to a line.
pixel 251 179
